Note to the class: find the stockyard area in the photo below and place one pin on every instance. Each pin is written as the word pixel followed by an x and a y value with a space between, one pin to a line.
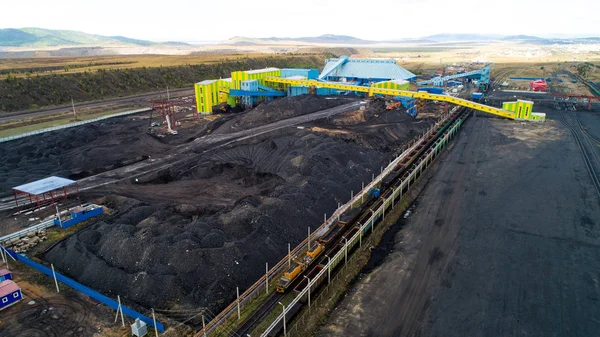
pixel 501 240
pixel 188 236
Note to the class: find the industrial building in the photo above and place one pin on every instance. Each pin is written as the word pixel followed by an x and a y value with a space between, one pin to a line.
pixel 368 77
pixel 249 87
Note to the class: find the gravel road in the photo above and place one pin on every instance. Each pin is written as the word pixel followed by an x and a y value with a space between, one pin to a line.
pixel 504 242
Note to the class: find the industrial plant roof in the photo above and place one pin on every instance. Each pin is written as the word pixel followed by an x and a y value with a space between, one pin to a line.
pixel 44 185
pixel 258 71
pixel 369 68
pixel 207 82
pixel 4 272
pixel 8 287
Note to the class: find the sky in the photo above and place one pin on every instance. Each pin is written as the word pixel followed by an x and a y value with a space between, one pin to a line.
pixel 217 20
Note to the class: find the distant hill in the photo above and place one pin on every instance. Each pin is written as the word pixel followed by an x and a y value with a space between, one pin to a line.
pixel 40 37
pixel 545 41
pixel 517 38
pixel 327 38
pixel 462 37
pixel 521 37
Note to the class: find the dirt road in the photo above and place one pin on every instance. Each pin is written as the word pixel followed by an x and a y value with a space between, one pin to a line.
pixel 504 242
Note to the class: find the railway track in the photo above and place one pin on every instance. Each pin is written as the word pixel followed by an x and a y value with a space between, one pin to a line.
pixel 403 170
pixel 588 152
pixel 259 315
pixel 584 130
pixel 12 116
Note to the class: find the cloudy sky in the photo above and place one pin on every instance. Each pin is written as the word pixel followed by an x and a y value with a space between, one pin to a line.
pixel 215 20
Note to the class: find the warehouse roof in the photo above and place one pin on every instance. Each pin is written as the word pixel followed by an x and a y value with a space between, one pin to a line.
pixel 386 69
pixel 44 185
pixel 258 71
pixel 207 82
pixel 8 287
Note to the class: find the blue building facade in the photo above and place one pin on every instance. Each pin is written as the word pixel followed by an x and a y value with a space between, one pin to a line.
pixel 10 293
pixel 5 274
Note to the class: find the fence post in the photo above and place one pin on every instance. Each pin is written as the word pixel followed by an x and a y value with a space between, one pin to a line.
pixel 55 281
pixel 154 319
pixel 237 289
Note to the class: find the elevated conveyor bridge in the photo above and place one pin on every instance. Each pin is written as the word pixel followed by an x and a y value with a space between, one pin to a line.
pixel 394 92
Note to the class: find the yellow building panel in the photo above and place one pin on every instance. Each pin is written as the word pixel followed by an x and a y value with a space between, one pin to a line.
pixel 207 95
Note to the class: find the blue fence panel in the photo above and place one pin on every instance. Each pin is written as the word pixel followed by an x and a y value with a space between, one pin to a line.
pixel 85 290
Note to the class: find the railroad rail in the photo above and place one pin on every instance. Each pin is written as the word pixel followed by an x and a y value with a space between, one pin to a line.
pixel 70 125
pixel 376 210
pixel 588 161
pixel 584 130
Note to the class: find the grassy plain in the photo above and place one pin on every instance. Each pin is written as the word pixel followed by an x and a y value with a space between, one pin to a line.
pixel 68 65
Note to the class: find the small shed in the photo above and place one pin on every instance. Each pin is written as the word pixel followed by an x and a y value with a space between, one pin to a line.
pixel 10 293
pixel 45 191
pixel 139 328
pixel 5 274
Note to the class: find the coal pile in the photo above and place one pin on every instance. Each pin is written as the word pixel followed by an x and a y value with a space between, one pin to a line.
pixel 189 239
pixel 286 107
pixel 86 150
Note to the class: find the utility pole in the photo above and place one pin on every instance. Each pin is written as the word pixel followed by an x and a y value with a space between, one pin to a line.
pixel 306 277
pixel 345 250
pixel 284 327
pixel 58 215
pixel 74 112
pixel 328 269
pixel 267 278
pixel 237 289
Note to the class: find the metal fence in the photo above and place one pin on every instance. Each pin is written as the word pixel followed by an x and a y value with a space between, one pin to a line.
pixel 85 290
pixel 70 125
pixel 42 225
pixel 19 234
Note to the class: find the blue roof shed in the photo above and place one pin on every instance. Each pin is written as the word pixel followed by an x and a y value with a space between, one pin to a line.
pixel 373 69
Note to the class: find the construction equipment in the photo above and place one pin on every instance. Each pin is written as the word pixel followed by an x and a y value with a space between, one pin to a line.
pixel 538 85
pixel 392 106
pixel 221 108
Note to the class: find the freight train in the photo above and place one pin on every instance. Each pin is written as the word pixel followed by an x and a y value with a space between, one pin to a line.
pixel 299 266
pixel 330 241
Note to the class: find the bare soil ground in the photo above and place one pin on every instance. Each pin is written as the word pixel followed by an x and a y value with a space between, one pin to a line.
pixel 187 238
pixel 45 313
pixel 503 242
